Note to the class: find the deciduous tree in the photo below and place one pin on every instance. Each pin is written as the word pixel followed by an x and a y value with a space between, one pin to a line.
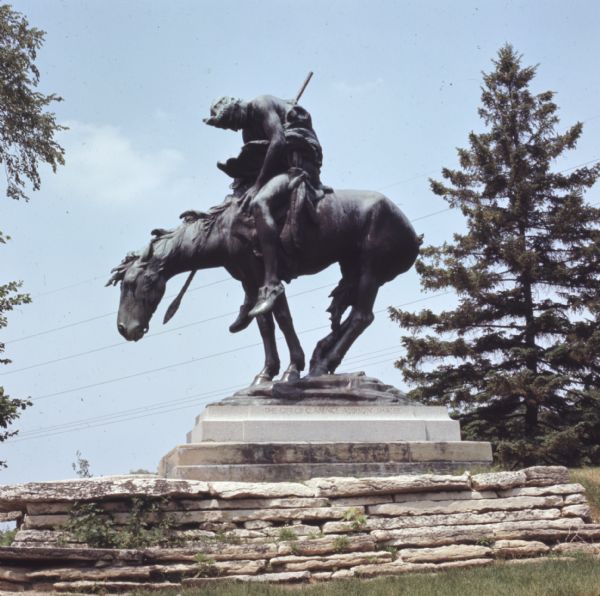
pixel 27 128
pixel 27 131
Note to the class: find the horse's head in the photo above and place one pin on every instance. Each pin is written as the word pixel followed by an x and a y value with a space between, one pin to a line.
pixel 143 283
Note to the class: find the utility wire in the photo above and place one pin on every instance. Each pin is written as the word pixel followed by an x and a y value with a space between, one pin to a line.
pixel 156 334
pixel 412 178
pixel 154 409
pixel 205 357
pixel 68 287
pixel 108 314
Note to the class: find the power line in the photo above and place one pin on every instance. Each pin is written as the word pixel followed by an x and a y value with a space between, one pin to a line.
pixel 156 334
pixel 109 314
pixel 68 287
pixel 152 409
pixel 206 356
pixel 138 410
pixel 91 279
pixel 412 178
pixel 417 177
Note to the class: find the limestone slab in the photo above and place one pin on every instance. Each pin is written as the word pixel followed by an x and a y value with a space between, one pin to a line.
pixel 435 451
pixel 522 530
pixel 297 563
pixel 498 480
pixel 350 487
pixel 511 549
pixel 242 515
pixel 398 567
pixel 16 496
pixel 536 491
pixel 582 510
pixel 464 506
pixel 297 423
pixel 300 472
pixel 219 453
pixel 249 490
pixel 546 475
pixel 424 521
pixel 271 578
pixel 569 548
pixel 575 499
pixel 444 553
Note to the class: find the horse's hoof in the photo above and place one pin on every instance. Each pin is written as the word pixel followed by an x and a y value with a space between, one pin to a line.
pixel 290 375
pixel 317 371
pixel 261 379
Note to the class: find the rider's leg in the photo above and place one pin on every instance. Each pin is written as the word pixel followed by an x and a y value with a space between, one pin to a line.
pixel 243 319
pixel 269 197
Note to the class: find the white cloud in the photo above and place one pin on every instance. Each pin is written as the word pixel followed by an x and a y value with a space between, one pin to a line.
pixel 103 164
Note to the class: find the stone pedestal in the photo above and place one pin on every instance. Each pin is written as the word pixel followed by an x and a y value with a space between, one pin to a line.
pixel 338 425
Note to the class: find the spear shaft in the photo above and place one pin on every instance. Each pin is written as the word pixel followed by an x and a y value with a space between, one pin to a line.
pixel 304 85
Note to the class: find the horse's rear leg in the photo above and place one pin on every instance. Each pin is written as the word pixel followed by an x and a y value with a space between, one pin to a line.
pixel 343 296
pixel 360 317
pixel 318 361
pixel 281 310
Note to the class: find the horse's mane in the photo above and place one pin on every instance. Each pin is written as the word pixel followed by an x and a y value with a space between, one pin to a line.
pixel 206 220
pixel 210 218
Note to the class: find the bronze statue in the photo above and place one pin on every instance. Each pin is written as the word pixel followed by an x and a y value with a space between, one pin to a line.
pixel 280 222
pixel 363 231
pixel 279 142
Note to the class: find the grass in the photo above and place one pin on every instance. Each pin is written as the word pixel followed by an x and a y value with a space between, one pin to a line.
pixel 590 478
pixel 578 577
pixel 7 537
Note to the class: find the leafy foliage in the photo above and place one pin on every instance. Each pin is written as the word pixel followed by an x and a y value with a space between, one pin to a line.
pixel 517 358
pixel 287 534
pixel 206 566
pixel 81 466
pixel 340 544
pixel 26 138
pixel 147 525
pixel 10 408
pixel 358 519
pixel 7 537
pixel 26 128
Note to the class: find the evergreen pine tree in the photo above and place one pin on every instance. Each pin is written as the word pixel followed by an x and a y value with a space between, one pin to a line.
pixel 517 359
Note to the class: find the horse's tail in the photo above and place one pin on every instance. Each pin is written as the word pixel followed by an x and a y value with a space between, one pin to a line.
pixel 342 297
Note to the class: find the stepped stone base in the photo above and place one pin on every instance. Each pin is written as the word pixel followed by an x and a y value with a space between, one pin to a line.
pixel 336 425
pixel 272 462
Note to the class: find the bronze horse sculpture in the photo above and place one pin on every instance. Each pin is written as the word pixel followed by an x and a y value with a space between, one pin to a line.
pixel 363 231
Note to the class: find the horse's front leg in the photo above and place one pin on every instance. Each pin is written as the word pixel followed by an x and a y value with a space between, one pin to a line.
pixel 272 364
pixel 281 310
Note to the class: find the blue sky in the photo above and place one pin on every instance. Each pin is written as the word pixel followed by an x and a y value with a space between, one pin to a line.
pixel 395 91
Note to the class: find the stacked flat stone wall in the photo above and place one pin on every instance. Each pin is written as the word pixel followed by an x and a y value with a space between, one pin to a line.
pixel 320 529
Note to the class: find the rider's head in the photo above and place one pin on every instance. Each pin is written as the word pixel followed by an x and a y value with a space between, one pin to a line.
pixel 227 112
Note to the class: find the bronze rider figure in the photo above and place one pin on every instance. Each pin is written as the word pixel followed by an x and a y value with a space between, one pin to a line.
pixel 286 130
